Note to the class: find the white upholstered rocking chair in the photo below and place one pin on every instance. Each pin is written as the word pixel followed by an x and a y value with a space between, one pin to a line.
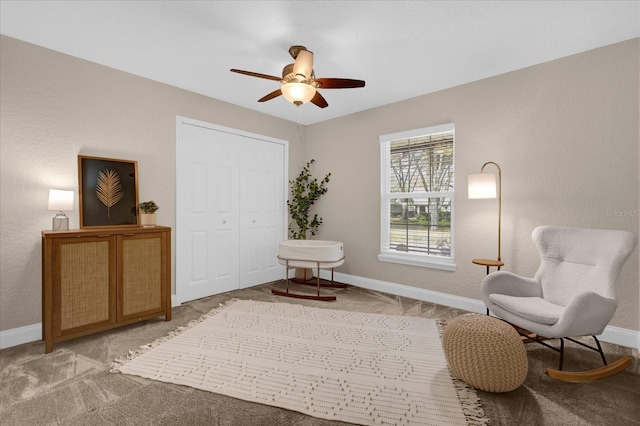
pixel 572 293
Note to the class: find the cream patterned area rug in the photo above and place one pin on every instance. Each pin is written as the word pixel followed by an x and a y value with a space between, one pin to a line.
pixel 356 367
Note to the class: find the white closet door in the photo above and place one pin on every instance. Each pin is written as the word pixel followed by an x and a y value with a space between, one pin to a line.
pixel 207 235
pixel 261 212
pixel 223 205
pixel 230 210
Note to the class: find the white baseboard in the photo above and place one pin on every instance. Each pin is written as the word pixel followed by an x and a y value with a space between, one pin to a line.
pixel 20 335
pixel 471 305
pixel 611 334
pixel 33 332
pixel 621 336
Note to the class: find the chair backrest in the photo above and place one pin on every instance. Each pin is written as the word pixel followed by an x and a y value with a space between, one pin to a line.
pixel 574 260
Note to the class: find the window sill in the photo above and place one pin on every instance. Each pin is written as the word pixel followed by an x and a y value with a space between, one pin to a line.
pixel 417 260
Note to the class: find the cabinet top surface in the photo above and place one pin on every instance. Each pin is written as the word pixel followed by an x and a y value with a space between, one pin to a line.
pixel 113 230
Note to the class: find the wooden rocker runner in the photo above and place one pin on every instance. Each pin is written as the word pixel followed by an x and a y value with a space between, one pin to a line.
pixel 607 370
pixel 310 254
pixel 590 375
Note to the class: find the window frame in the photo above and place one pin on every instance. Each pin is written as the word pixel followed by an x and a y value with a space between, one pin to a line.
pixel 411 258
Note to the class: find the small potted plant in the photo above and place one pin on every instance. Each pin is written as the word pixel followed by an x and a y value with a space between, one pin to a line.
pixel 148 211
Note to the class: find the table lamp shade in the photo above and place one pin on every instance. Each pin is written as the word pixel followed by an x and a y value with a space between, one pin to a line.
pixel 60 200
pixel 482 185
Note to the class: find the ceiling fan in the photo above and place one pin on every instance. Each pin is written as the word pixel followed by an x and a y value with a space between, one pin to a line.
pixel 299 82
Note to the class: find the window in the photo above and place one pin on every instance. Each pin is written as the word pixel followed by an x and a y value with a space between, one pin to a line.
pixel 416 199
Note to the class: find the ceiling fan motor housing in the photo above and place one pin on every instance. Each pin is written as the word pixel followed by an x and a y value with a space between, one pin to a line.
pixel 288 76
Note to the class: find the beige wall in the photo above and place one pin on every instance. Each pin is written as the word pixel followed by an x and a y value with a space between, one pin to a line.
pixel 565 133
pixel 54 107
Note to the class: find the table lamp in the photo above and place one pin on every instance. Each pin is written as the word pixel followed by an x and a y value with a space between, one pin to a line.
pixel 60 201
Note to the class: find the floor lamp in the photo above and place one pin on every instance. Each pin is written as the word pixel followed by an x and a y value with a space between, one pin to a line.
pixel 488 185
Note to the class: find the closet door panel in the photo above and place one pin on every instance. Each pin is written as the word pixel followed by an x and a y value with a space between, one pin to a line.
pixel 261 213
pixel 207 215
pixel 224 220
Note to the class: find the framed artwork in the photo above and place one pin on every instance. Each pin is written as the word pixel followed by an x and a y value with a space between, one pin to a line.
pixel 108 192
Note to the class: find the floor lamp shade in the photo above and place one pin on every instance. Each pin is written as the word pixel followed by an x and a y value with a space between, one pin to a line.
pixel 482 185
pixel 60 201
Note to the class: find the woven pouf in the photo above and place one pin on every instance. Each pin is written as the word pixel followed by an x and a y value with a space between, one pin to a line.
pixel 485 352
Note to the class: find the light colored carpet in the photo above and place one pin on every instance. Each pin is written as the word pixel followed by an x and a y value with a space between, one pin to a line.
pixel 356 367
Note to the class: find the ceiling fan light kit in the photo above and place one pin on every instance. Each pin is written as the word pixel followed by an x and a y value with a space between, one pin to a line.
pixel 299 83
pixel 298 93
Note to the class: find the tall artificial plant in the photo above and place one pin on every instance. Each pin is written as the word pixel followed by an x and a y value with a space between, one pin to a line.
pixel 305 191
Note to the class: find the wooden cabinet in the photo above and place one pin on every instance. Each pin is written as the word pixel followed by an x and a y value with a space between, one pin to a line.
pixel 97 279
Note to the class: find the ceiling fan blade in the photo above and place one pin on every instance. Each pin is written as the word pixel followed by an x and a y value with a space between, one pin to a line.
pixel 339 83
pixel 270 96
pixel 255 74
pixel 303 64
pixel 319 100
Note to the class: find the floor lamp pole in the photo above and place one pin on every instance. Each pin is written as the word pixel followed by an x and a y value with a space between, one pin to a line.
pixel 499 201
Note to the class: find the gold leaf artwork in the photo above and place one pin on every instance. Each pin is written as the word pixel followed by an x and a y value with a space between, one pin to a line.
pixel 109 188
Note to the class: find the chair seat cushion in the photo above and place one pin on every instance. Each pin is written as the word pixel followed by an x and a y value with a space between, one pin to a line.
pixel 532 308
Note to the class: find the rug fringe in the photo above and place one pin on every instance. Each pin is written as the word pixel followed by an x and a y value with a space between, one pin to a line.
pixel 471 406
pixel 133 354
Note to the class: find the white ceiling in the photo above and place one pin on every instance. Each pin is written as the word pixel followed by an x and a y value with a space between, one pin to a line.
pixel 402 49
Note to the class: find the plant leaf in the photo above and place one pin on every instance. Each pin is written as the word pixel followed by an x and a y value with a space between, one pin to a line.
pixel 109 189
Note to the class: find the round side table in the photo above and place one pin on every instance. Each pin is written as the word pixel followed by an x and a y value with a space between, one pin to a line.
pixel 488 263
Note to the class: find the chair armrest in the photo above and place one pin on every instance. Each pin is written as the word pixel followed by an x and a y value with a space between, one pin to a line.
pixel 587 314
pixel 505 282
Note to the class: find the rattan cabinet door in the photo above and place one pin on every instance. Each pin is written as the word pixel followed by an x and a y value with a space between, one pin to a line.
pixel 142 275
pixel 84 290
